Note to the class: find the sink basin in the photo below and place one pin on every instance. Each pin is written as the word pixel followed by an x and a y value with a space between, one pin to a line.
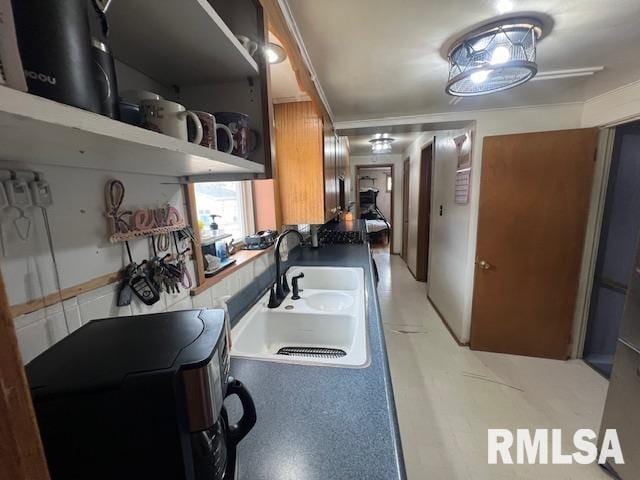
pixel 326 326
pixel 328 278
pixel 329 301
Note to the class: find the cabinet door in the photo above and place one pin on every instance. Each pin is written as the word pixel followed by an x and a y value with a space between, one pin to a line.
pixel 299 146
pixel 330 173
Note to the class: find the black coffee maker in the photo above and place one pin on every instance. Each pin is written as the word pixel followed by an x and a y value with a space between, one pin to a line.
pixel 140 397
pixel 65 52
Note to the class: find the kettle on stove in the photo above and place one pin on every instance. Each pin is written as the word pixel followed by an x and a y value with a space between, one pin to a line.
pixel 62 48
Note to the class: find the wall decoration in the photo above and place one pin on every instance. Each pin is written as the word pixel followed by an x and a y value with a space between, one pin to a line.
pixel 463 170
pixel 127 225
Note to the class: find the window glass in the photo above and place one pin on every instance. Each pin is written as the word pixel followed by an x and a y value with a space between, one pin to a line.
pixel 231 201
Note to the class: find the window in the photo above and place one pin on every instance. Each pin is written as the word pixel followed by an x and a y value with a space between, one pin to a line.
pixel 389 182
pixel 232 202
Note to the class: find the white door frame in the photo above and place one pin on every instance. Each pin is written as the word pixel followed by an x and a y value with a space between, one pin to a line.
pixel 592 240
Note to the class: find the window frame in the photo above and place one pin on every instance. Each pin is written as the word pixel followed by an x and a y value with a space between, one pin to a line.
pixel 249 220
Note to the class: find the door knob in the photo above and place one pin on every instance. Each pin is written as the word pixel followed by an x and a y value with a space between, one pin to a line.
pixel 484 265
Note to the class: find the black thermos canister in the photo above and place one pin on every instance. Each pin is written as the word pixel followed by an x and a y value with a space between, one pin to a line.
pixel 103 60
pixel 57 52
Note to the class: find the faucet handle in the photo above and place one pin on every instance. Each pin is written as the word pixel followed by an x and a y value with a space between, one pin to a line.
pixel 296 289
pixel 273 298
pixel 285 284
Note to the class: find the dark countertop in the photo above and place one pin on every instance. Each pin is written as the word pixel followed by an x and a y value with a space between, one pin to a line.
pixel 323 423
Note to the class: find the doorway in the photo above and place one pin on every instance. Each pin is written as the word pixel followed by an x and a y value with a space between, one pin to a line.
pixel 406 181
pixel 424 213
pixel 616 250
pixel 534 202
pixel 374 203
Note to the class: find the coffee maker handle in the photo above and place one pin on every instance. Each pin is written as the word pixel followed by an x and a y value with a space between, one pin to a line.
pixel 239 430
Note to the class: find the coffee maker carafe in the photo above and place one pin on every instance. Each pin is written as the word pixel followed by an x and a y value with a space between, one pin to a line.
pixel 64 52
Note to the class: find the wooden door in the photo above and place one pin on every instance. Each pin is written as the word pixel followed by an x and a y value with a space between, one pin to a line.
pixel 405 208
pixel 424 213
pixel 534 201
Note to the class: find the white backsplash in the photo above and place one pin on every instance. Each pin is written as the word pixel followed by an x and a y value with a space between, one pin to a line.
pixel 39 330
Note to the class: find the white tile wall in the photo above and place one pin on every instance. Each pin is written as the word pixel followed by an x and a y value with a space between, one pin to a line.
pixel 38 330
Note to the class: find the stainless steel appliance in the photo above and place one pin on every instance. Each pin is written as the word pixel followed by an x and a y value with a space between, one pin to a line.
pixel 260 240
pixel 64 52
pixel 140 397
pixel 621 409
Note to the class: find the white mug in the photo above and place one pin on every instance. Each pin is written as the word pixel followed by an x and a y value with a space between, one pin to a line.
pixel 169 118
pixel 248 44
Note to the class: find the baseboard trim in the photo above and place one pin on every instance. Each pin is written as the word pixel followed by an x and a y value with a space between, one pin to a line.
pixel 446 324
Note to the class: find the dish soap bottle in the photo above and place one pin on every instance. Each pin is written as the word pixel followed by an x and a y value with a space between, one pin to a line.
pixel 214 226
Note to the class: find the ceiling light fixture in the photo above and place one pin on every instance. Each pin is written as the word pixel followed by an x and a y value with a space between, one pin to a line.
pixel 381 143
pixel 495 57
pixel 275 53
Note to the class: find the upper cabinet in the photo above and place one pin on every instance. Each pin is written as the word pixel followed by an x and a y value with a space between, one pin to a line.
pixel 206 56
pixel 312 165
pixel 300 167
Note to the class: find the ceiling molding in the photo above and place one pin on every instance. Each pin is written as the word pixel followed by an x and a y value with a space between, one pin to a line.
pixel 293 27
pixel 567 73
pixel 468 115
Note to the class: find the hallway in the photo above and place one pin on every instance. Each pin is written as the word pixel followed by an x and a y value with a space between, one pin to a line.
pixel 448 396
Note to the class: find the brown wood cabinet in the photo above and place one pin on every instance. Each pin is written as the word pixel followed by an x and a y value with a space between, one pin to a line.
pixel 310 161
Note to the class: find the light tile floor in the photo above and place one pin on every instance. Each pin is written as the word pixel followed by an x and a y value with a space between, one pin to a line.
pixel 448 396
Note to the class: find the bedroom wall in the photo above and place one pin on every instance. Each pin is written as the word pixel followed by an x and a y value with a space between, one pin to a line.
pixel 396 161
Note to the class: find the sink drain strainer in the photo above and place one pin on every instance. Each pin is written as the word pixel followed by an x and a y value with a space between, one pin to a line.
pixel 312 352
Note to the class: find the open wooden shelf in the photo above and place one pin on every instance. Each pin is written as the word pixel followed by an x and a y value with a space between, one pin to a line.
pixel 36 130
pixel 177 42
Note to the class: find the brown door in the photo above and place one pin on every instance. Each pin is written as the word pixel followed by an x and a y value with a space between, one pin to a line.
pixel 534 201
pixel 424 213
pixel 405 209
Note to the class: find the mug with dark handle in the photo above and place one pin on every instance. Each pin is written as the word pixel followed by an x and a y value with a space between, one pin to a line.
pixel 239 430
pixel 254 142
pixel 227 131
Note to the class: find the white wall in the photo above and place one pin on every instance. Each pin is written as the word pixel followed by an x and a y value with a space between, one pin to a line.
pixel 448 233
pixel 617 106
pixel 83 252
pixel 397 162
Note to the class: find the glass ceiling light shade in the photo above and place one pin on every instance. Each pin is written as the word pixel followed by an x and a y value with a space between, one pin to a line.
pixel 381 144
pixel 275 53
pixel 493 58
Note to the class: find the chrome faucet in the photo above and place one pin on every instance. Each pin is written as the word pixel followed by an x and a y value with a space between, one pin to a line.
pixel 280 288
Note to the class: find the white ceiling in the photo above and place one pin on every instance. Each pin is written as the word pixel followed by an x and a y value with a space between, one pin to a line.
pixel 382 58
